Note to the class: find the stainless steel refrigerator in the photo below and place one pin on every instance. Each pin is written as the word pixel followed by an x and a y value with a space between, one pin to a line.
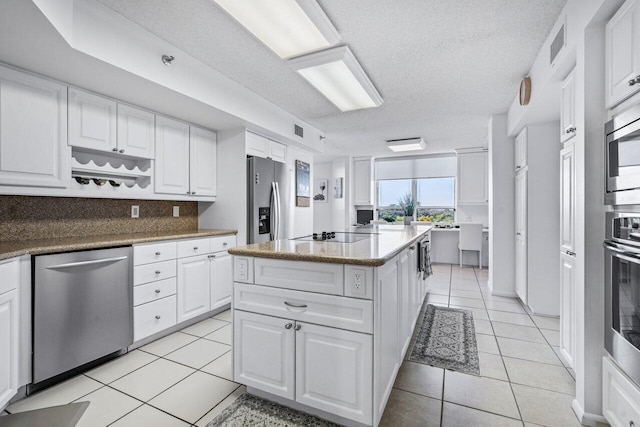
pixel 268 200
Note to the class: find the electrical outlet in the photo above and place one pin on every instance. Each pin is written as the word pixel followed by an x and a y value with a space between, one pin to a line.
pixel 358 285
pixel 176 211
pixel 135 211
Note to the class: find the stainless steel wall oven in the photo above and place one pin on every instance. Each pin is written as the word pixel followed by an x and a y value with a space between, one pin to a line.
pixel 623 158
pixel 622 291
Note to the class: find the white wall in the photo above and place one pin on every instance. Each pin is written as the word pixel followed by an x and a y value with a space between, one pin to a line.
pixel 301 217
pixel 501 208
pixel 473 213
pixel 340 214
pixel 323 211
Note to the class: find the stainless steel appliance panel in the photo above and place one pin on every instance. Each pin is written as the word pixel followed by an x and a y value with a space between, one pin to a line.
pixel 82 308
pixel 268 200
pixel 623 158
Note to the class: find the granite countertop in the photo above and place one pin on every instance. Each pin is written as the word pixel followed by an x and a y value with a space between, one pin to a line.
pixel 10 249
pixel 384 242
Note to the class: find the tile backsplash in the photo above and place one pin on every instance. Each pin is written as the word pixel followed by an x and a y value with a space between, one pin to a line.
pixel 29 217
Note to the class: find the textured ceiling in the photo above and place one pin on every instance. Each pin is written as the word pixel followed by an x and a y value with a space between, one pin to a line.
pixel 442 66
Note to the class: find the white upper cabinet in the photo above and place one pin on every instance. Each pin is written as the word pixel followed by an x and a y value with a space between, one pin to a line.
pixel 260 146
pixel 202 162
pixel 172 156
pixel 33 130
pixel 136 132
pixel 568 108
pixel 92 121
pixel 472 179
pixel 521 150
pixel 363 178
pixel 622 62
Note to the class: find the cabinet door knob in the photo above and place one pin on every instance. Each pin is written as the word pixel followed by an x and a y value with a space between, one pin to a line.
pixel 193 193
pixel 195 248
pixel 224 244
pixel 121 151
pixel 288 326
pixel 298 327
pixel 158 317
pixel 211 256
pixel 157 291
pixel 115 150
pixel 157 271
pixel 157 253
pixel 635 81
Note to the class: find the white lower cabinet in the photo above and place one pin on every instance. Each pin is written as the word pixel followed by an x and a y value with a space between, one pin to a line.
pixel 9 330
pixel 193 286
pixel 567 308
pixel 221 287
pixel 325 368
pixel 153 317
pixel 406 309
pixel 620 397
pixel 263 353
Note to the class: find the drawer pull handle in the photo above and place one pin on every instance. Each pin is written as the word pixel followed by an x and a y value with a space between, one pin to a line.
pixel 157 271
pixel 288 325
pixel 295 305
pixel 158 317
pixel 224 244
pixel 298 327
pixel 157 291
pixel 211 256
pixel 195 248
pixel 157 253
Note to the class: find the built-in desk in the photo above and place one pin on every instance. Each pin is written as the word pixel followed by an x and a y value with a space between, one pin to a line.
pixel 444 247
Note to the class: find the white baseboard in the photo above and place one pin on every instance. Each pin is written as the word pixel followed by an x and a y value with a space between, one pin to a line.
pixel 586 419
pixel 504 294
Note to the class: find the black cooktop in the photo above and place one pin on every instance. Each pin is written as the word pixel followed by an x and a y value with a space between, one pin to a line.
pixel 336 236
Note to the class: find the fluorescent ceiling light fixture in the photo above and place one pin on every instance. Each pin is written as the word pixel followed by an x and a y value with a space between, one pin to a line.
pixel 337 74
pixel 407 144
pixel 288 27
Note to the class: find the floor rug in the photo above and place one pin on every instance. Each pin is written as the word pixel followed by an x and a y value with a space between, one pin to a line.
pixel 446 338
pixel 252 411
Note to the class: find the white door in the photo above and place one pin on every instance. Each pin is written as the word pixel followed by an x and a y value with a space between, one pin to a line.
pixel 92 121
pixel 221 279
pixel 521 235
pixel 568 108
pixel 255 336
pixel 203 162
pixel 567 308
pixel 622 59
pixel 9 329
pixel 193 286
pixel 136 132
pixel 334 371
pixel 472 179
pixel 172 156
pixel 521 149
pixel 363 182
pixel 567 198
pixel 404 329
pixel 33 131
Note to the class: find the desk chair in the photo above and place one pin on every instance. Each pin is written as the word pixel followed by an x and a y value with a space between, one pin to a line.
pixel 470 240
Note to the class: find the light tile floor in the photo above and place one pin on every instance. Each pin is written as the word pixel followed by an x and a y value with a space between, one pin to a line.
pixel 522 381
pixel 186 378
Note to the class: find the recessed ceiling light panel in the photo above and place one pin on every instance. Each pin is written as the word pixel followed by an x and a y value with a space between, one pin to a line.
pixel 337 74
pixel 407 144
pixel 288 27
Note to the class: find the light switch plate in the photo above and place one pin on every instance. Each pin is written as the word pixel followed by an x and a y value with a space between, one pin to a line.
pixel 176 211
pixel 135 211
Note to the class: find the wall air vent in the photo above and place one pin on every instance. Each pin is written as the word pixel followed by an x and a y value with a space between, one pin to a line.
pixel 557 44
pixel 298 130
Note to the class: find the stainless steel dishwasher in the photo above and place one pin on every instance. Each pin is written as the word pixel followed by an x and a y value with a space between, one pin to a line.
pixel 82 309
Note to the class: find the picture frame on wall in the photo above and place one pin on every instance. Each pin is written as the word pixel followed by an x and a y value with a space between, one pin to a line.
pixel 303 184
pixel 338 188
pixel 320 190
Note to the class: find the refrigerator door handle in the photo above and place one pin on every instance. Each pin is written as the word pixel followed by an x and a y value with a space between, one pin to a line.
pixel 278 219
pixel 272 212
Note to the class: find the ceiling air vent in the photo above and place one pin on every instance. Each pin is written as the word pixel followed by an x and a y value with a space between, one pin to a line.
pixel 557 44
pixel 298 130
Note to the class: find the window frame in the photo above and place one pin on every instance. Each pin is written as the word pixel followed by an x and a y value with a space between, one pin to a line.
pixel 414 194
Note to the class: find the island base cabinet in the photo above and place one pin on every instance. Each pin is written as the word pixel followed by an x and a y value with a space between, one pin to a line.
pixel 334 371
pixel 263 353
pixel 8 346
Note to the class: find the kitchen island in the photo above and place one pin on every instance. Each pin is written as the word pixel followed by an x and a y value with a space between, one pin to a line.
pixel 323 326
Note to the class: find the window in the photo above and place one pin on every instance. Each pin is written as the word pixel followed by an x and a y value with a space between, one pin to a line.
pixel 435 197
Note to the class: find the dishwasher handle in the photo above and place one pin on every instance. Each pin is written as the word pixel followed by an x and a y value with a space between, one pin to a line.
pixel 83 263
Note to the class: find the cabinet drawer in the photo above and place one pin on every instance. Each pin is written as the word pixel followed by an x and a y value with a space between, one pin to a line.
pixel 193 247
pixel 303 276
pixel 153 317
pixel 152 272
pixel 155 252
pixel 619 397
pixel 222 243
pixel 340 312
pixel 154 291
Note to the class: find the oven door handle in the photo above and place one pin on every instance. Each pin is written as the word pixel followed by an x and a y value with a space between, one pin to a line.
pixel 621 253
